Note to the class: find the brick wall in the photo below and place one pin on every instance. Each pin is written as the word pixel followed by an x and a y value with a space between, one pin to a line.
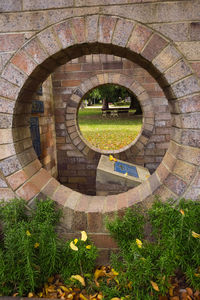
pixel 46 119
pixel 74 168
pixel 39 36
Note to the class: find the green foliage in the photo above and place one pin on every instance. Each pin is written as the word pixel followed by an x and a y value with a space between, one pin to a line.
pixel 174 249
pixel 31 251
pixel 81 261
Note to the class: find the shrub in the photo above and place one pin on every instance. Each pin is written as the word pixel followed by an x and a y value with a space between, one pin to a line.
pixel 145 268
pixel 31 251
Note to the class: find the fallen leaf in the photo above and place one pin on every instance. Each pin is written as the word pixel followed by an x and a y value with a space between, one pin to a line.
pixel 30 295
pixel 155 286
pixel 83 236
pixel 82 297
pixel 182 212
pixel 195 235
pixel 79 278
pixel 189 291
pixel 73 247
pixel 139 243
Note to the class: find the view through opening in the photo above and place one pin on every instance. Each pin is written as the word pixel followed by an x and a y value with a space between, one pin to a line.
pixel 110 117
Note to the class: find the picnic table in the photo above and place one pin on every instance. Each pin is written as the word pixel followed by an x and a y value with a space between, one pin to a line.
pixel 115 111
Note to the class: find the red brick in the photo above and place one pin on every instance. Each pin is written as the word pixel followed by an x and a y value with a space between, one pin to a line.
pixel 175 184
pixel 13 75
pixel 95 222
pixel 122 32
pixel 103 241
pixel 139 38
pixel 41 178
pixel 17 179
pixel 154 47
pixel 72 67
pixel 70 83
pixel 48 39
pixel 27 191
pixel 34 49
pixel 11 42
pixel 6 194
pixel 61 194
pixel 106 28
pixel 8 90
pixel 50 188
pixel 23 62
pixel 64 33
pixel 162 172
pixel 92 28
pixel 79 29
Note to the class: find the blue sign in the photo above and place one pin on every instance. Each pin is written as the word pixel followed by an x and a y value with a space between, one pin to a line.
pixel 35 135
pixel 124 168
pixel 37 106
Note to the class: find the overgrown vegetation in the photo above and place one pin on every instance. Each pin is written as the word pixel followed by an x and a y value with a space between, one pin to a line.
pixel 146 268
pixel 35 262
pixel 31 252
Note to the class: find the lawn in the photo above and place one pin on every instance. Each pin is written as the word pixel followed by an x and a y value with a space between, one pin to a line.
pixel 108 133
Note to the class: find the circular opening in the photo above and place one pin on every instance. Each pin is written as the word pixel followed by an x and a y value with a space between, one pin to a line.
pixel 109 117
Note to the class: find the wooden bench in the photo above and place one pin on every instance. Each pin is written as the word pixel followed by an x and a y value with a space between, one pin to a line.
pixel 114 112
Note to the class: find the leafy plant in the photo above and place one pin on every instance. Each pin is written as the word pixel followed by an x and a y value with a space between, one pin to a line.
pixel 145 267
pixel 31 251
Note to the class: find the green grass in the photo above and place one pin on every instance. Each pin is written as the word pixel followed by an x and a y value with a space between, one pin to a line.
pixel 108 133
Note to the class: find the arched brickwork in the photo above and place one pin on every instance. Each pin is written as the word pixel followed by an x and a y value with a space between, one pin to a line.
pixel 136 89
pixel 100 34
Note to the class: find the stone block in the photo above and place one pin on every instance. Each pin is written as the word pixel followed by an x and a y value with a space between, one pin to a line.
pixel 92 28
pixel 122 32
pixel 49 41
pixel 79 29
pixel 6 194
pixel 46 4
pixel 139 38
pixel 180 168
pixel 185 87
pixel 177 71
pixel 13 75
pixel 27 191
pixel 24 62
pixel 166 58
pixel 107 179
pixel 175 184
pixel 8 90
pixel 106 28
pixel 17 179
pixel 34 49
pixel 154 46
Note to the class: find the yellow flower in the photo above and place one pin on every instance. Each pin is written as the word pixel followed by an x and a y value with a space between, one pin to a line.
pixel 73 247
pixel 139 243
pixel 126 174
pixel 36 245
pixel 28 233
pixel 75 241
pixel 112 158
pixel 182 212
pixel 195 235
pixel 115 273
pixel 88 247
pixel 83 236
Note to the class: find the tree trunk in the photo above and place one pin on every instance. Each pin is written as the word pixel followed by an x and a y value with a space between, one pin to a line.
pixel 135 105
pixel 105 104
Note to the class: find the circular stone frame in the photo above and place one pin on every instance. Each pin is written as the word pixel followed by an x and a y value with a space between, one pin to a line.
pixel 113 78
pixel 74 37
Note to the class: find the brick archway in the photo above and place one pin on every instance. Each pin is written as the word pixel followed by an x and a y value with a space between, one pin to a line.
pixel 111 35
pixel 127 82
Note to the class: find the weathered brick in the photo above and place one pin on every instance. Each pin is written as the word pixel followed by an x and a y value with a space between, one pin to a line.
pixel 178 71
pixel 194 29
pixel 6 150
pixel 40 179
pixel 49 41
pixel 154 46
pixel 139 38
pixel 8 90
pixel 61 194
pixel 187 105
pixel 166 58
pixel 162 172
pixel 106 28
pixel 189 154
pixel 185 87
pixel 46 4
pixel 92 28
pixel 180 168
pixel 79 29
pixel 6 194
pixel 64 33
pixel 190 120
pixel 17 179
pixel 103 240
pixel 13 75
pixel 175 184
pixel 34 49
pixel 23 62
pixel 5 121
pixel 122 32
pixel 27 191
pixel 11 42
